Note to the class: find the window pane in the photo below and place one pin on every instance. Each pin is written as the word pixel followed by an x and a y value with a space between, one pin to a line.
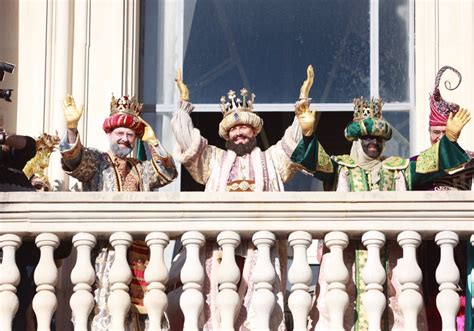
pixel 393 51
pixel 266 46
pixel 399 145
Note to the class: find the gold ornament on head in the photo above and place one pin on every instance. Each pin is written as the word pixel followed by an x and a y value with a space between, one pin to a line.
pixel 238 111
pixel 125 105
pixel 236 104
pixel 365 109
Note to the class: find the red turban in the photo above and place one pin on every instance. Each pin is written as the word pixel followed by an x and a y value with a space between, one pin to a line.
pixel 440 108
pixel 124 114
pixel 124 121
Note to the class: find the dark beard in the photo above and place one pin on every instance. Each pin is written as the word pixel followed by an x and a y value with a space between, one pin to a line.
pixel 241 149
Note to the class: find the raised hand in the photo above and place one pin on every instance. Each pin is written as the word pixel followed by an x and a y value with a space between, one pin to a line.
pixel 456 123
pixel 71 113
pixel 149 135
pixel 183 89
pixel 306 117
pixel 307 84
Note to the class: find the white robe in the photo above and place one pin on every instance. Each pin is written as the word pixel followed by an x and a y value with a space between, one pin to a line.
pixel 212 166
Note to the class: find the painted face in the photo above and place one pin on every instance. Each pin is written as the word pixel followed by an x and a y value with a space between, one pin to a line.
pixel 372 146
pixel 122 141
pixel 241 134
pixel 436 133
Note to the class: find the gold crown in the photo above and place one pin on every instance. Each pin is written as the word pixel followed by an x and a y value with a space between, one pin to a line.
pixel 125 105
pixel 364 109
pixel 45 145
pixel 237 104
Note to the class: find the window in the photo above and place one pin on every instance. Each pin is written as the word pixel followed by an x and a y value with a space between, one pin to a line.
pixel 357 47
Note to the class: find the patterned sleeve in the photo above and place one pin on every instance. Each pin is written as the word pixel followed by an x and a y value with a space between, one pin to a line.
pixel 311 157
pixel 78 161
pixel 160 170
pixel 437 161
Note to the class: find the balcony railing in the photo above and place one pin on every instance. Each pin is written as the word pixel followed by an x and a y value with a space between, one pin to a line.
pixel 370 218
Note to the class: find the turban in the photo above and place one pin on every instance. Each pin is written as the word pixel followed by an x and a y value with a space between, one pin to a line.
pixel 368 121
pixel 124 113
pixel 440 108
pixel 238 112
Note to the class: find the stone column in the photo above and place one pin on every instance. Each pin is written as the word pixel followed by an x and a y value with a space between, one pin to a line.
pixel 228 277
pixel 192 276
pixel 46 277
pixel 83 277
pixel 374 278
pixel 447 276
pixel 119 301
pixel 409 275
pixel 299 276
pixel 9 280
pixel 156 275
pixel 336 277
pixel 263 277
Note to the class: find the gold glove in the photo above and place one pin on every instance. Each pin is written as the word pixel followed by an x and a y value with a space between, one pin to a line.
pixel 71 113
pixel 306 117
pixel 183 89
pixel 308 83
pixel 149 135
pixel 456 123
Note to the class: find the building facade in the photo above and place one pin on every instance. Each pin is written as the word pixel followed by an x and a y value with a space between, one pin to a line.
pixel 93 49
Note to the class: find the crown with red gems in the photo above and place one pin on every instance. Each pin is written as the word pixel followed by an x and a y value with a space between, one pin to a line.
pixel 125 105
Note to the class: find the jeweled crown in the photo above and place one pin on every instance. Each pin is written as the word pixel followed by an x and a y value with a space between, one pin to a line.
pixel 364 109
pixel 125 105
pixel 237 104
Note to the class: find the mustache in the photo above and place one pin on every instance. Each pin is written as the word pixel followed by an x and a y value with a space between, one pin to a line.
pixel 124 142
pixel 241 135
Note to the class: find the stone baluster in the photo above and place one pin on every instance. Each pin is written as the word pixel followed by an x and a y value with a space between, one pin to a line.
pixel 156 275
pixel 409 276
pixel 192 276
pixel 120 277
pixel 46 277
pixel 447 276
pixel 263 277
pixel 337 276
pixel 83 277
pixel 9 279
pixel 299 276
pixel 374 278
pixel 228 277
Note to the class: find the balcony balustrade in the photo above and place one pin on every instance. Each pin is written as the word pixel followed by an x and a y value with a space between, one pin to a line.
pixel 194 218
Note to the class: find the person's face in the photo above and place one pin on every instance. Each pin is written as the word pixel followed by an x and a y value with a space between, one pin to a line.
pixel 241 134
pixel 122 141
pixel 372 146
pixel 436 133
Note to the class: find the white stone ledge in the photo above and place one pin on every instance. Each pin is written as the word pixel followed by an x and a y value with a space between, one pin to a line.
pixel 101 213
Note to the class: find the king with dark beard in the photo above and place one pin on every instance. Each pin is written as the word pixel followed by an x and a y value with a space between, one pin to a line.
pixel 242 167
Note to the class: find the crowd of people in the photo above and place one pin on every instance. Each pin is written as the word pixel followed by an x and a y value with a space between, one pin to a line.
pixel 242 167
